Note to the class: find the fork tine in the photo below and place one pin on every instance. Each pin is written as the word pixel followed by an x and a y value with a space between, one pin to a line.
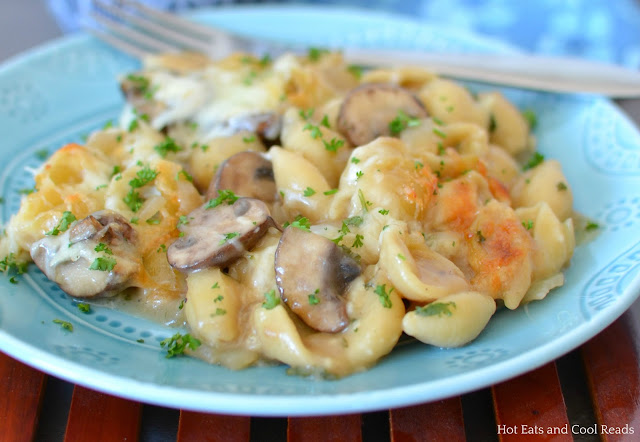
pixel 133 36
pixel 116 42
pixel 142 22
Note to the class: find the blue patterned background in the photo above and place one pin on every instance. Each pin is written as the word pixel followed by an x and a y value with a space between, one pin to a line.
pixel 605 30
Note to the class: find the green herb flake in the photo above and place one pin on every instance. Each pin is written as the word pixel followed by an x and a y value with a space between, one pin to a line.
pixel 103 264
pixel 224 196
pixel 355 160
pixel 84 307
pixel 271 300
pixel 357 242
pixel 528 224
pixel 359 174
pixel 383 211
pixel 306 114
pixel 64 324
pixel 480 236
pixel 227 237
pixel 330 192
pixel 313 298
pixel 314 54
pixel 355 70
pixel 363 201
pixel 66 219
pixel 166 146
pixel 536 159
pixel 436 309
pixel 531 118
pixel 315 130
pixel 309 191
pixel 325 122
pixel 249 139
pixel 591 226
pixel 401 122
pixel 561 186
pixel 178 343
pixel 402 257
pixel 42 154
pixel 492 124
pixel 439 133
pixel 383 295
pixel 102 247
pixel 333 145
pixel 300 222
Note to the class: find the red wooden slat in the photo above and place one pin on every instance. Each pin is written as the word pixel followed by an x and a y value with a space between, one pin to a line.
pixel 532 403
pixel 435 421
pixel 99 417
pixel 611 364
pixel 205 427
pixel 21 392
pixel 325 429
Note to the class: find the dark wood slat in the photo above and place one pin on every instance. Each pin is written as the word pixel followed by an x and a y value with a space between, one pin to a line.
pixel 99 417
pixel 611 365
pixel 21 392
pixel 325 429
pixel 531 402
pixel 198 427
pixel 435 421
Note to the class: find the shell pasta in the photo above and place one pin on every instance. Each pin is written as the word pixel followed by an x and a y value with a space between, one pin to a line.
pixel 300 210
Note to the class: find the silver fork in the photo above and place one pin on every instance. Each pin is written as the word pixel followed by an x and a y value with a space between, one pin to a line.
pixel 140 30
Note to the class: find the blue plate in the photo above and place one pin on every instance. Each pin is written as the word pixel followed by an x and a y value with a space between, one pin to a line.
pixel 59 92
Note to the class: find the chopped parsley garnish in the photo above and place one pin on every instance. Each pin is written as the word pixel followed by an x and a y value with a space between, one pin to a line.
pixel 64 324
pixel 168 145
pixel 215 286
pixel 492 124
pixel 306 114
pixel 528 224
pixel 530 116
pixel 359 174
pixel 330 192
pixel 162 248
pixel 299 222
pixel 401 122
pixel 441 150
pixel 27 191
pixel 141 83
pixel 383 295
pixel 84 308
pixel 314 54
pixel 309 191
pixel 271 300
pixel 536 159
pixel 249 139
pixel 355 160
pixel 333 145
pixel 355 70
pixel 325 122
pixel 42 154
pixel 383 212
pixel 591 226
pixel 102 247
pixel 561 186
pixel 133 200
pixel 315 130
pixel 313 298
pixel 66 219
pixel 436 309
pixel 418 165
pixel 402 257
pixel 227 237
pixel 224 196
pixel 102 186
pixel 104 264
pixel 184 219
pixel 187 176
pixel 363 201
pixel 480 236
pixel 178 343
pixel 143 177
pixel 357 242
pixel 354 221
pixel 220 312
pixel 439 133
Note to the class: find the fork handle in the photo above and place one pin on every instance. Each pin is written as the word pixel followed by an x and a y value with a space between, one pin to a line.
pixel 545 73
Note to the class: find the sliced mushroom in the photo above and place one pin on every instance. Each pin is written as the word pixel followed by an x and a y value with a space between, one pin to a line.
pixel 312 274
pixel 367 111
pixel 104 240
pixel 247 174
pixel 218 236
pixel 137 91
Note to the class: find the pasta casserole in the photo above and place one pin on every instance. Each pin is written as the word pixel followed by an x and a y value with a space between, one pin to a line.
pixel 301 210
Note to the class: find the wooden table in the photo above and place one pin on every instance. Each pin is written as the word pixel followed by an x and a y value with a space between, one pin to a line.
pixel 595 385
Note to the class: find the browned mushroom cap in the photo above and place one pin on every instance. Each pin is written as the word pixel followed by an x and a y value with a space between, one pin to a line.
pixel 367 110
pixel 137 90
pixel 218 236
pixel 312 274
pixel 247 174
pixel 96 257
